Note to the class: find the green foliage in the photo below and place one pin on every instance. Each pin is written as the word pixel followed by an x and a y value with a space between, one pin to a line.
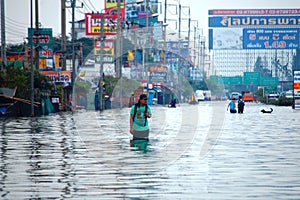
pixel 20 78
pixel 281 101
pixel 82 87
pixel 110 84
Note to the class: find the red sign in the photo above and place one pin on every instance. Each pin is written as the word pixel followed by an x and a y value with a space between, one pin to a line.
pixel 93 23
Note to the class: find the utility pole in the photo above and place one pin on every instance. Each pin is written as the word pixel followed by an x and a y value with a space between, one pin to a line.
pixel 102 38
pixel 118 49
pixel 37 35
pixel 31 61
pixel 73 3
pixel 179 22
pixel 3 40
pixel 63 33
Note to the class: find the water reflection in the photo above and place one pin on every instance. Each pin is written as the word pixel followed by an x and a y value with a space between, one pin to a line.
pixel 141 145
pixel 90 156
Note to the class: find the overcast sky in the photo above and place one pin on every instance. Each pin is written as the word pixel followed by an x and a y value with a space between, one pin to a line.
pixel 18 12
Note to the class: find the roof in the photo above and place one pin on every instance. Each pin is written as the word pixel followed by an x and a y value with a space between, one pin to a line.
pixel 8 92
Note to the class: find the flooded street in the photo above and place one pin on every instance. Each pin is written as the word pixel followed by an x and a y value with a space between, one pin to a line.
pixel 194 152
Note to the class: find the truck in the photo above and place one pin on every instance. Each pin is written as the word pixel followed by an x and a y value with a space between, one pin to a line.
pixel 248 96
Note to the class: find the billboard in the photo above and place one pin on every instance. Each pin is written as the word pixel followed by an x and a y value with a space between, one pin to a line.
pixel 290 11
pixel 108 49
pixel 137 12
pixel 267 38
pixel 243 21
pixel 296 80
pixel 58 77
pixel 93 24
pixel 44 40
pixel 254 38
pixel 224 38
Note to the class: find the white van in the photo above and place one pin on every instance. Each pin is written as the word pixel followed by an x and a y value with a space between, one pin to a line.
pixel 199 95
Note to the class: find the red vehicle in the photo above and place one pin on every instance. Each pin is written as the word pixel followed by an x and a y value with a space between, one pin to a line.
pixel 248 96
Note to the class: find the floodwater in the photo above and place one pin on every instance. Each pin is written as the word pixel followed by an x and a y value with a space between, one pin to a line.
pixel 194 152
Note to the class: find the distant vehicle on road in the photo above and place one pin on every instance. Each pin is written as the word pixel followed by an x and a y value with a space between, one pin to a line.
pixel 199 95
pixel 235 95
pixel 248 96
pixel 289 94
pixel 273 96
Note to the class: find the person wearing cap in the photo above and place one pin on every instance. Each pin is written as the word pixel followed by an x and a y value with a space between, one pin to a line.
pixel 139 113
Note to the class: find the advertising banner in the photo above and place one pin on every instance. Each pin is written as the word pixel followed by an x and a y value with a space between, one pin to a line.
pixel 44 40
pixel 108 49
pixel 267 38
pixel 243 21
pixel 296 80
pixel 254 12
pixel 158 77
pixel 178 48
pixel 93 24
pixel 224 38
pixel 58 77
pixel 111 8
pixel 297 89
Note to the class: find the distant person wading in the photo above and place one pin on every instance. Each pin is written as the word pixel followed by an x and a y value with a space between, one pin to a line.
pixel 232 106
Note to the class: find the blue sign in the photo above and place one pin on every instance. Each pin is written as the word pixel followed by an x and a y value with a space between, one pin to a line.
pixel 271 38
pixel 242 21
pixel 179 47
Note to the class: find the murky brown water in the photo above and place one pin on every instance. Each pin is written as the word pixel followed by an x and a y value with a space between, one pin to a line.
pixel 194 152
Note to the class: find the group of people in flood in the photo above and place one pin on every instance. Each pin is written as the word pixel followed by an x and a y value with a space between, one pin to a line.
pixel 240 105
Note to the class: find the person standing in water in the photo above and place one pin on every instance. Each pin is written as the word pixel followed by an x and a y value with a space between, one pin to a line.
pixel 139 113
pixel 241 105
pixel 232 106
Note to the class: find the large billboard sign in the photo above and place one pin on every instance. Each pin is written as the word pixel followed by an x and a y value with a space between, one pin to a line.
pixel 291 11
pixel 287 38
pixel 254 29
pixel 137 12
pixel 93 24
pixel 243 21
pixel 44 40
pixel 111 8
